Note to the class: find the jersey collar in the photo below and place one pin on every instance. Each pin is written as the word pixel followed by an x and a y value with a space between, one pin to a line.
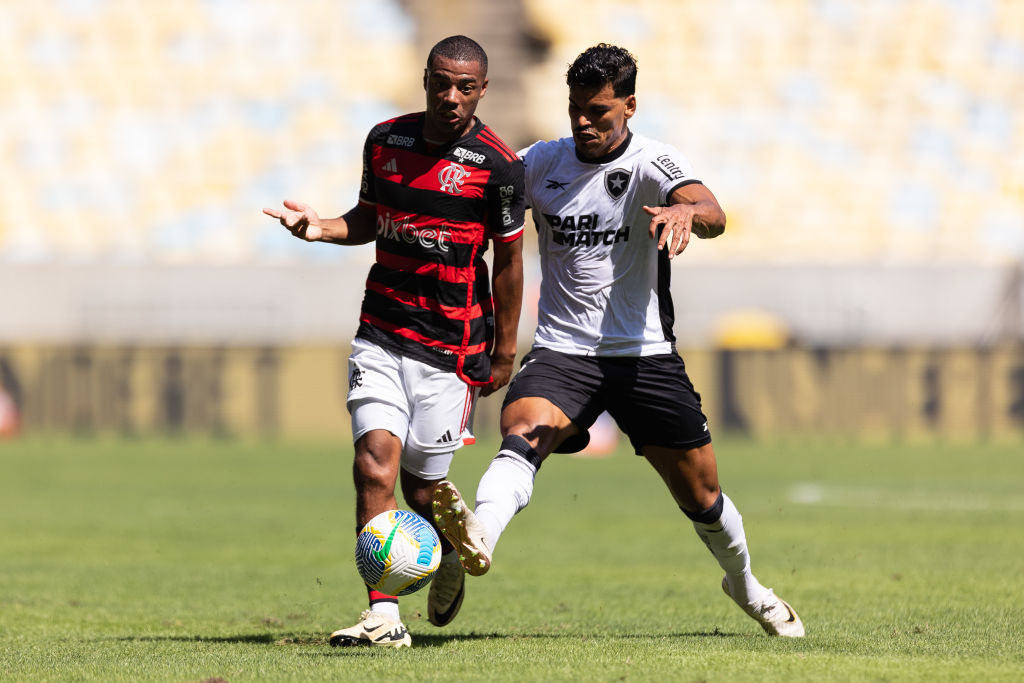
pixel 610 156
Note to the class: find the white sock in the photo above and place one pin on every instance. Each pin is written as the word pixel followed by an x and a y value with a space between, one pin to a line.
pixel 506 487
pixel 387 608
pixel 725 539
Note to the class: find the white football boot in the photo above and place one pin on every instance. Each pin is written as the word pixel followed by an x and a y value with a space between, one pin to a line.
pixel 461 527
pixel 447 589
pixel 373 629
pixel 774 614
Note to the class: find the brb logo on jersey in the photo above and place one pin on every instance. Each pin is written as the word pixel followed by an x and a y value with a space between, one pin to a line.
pixel 451 178
pixel 401 140
pixel 616 181
pixel 404 231
pixel 465 154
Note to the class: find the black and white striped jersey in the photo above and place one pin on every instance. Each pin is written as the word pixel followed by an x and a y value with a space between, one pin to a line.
pixel 605 287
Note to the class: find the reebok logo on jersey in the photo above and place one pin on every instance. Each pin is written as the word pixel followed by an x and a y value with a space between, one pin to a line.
pixel 577 231
pixel 446 437
pixel 391 166
pixel 555 185
pixel 616 181
pixel 404 231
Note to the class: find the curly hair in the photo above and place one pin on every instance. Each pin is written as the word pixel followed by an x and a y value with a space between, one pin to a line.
pixel 601 64
pixel 459 49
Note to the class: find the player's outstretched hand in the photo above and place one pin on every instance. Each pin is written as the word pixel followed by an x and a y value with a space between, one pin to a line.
pixel 301 220
pixel 676 222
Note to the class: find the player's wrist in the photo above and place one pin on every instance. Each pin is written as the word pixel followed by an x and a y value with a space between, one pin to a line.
pixel 503 355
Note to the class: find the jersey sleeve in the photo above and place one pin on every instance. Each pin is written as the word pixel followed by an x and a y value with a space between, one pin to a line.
pixel 506 207
pixel 367 191
pixel 531 162
pixel 670 170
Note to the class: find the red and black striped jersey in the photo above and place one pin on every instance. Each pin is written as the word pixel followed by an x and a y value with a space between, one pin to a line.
pixel 428 296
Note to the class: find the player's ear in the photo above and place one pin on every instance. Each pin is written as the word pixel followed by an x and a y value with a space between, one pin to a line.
pixel 425 72
pixel 630 106
pixel 483 88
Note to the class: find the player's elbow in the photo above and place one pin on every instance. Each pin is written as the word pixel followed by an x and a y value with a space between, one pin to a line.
pixel 712 226
pixel 718 228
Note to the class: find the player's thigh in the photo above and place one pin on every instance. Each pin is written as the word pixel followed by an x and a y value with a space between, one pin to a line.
pixel 376 396
pixel 539 421
pixel 569 391
pixel 655 404
pixel 441 407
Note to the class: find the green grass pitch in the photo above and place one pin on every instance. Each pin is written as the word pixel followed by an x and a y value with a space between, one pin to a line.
pixel 195 560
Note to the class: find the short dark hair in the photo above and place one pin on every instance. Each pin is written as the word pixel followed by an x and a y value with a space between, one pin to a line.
pixel 603 64
pixel 459 49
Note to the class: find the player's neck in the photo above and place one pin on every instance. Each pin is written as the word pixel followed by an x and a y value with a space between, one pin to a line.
pixel 441 142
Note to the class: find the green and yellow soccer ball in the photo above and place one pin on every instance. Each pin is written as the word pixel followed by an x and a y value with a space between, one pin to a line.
pixel 397 552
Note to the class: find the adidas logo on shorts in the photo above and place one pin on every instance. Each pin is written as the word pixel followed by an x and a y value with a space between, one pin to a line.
pixel 446 437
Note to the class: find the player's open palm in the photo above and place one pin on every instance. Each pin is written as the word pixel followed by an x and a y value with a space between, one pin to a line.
pixel 300 219
pixel 675 222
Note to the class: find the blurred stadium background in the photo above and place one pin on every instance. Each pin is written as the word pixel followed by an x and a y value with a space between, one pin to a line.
pixel 869 154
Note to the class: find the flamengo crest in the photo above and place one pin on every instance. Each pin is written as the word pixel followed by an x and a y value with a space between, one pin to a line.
pixel 616 181
pixel 451 178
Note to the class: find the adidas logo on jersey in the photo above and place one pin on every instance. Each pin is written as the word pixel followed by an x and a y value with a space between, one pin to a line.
pixel 446 437
pixel 391 166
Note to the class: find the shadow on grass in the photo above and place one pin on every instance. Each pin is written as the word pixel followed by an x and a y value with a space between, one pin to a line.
pixel 433 641
pixel 250 638
pixel 420 640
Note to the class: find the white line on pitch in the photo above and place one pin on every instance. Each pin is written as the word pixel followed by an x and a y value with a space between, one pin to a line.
pixel 813 493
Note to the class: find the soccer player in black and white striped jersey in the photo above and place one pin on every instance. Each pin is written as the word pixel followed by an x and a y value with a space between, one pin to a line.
pixel 612 209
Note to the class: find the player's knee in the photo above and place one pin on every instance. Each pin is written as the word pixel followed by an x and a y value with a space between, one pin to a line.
pixel 368 474
pixel 417 492
pixel 519 446
pixel 375 464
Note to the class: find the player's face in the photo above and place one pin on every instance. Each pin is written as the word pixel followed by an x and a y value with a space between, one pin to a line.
pixel 453 91
pixel 599 119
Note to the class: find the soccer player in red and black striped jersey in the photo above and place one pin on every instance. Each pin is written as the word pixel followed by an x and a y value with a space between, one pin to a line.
pixel 436 328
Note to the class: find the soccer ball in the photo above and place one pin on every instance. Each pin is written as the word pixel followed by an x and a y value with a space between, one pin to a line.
pixel 397 552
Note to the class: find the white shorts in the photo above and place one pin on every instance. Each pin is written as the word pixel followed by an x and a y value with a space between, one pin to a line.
pixel 430 410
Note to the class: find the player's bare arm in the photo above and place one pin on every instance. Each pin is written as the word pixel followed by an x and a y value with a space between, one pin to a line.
pixel 693 209
pixel 507 286
pixel 356 226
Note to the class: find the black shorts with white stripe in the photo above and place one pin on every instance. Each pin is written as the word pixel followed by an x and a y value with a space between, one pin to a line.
pixel 651 398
